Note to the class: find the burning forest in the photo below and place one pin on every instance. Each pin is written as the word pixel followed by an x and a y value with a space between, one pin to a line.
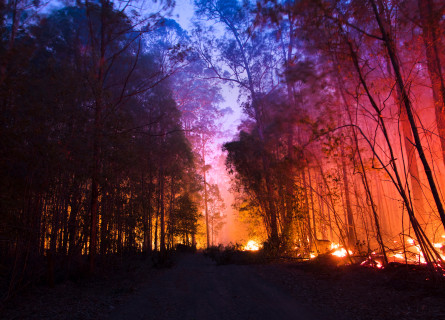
pixel 254 132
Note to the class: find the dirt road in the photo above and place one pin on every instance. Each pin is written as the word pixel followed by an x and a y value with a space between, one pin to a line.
pixel 195 288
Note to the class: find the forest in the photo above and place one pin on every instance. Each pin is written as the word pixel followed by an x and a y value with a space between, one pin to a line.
pixel 112 131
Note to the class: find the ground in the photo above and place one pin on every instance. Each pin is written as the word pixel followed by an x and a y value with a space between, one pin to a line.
pixel 196 288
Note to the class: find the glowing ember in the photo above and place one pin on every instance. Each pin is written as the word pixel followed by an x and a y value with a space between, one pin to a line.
pixel 252 246
pixel 370 262
pixel 399 255
pixel 410 241
pixel 341 252
pixel 312 255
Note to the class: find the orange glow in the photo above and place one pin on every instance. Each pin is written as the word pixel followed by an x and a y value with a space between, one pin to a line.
pixel 252 245
pixel 341 252
pixel 399 256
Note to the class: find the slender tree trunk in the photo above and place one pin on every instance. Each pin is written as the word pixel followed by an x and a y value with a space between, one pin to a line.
pixel 407 103
pixel 428 250
pixel 364 177
pixel 350 233
pixel 97 138
pixel 417 193
pixel 429 18
pixel 259 122
pixel 205 195
pixel 314 225
pixel 162 211
pixel 289 198
pixel 306 210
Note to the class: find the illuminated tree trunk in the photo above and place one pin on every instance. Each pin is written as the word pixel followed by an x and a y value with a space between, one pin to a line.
pixel 290 137
pixel 350 233
pixel 430 254
pixel 364 176
pixel 156 229
pixel 314 225
pixel 205 196
pixel 306 210
pixel 417 193
pixel 171 215
pixel 146 208
pixel 407 103
pixel 162 210
pixel 429 18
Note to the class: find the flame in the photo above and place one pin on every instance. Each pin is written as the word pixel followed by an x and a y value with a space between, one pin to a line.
pixel 341 252
pixel 252 245
pixel 399 255
pixel 410 241
pixel 370 262
pixel 438 245
pixel 312 255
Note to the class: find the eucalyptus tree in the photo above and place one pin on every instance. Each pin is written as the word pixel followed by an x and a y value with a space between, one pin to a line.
pixel 199 99
pixel 243 56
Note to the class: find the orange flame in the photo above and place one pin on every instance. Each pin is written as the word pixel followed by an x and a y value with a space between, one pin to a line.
pixel 252 245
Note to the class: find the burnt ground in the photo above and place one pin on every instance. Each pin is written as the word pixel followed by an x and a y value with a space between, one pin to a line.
pixel 196 288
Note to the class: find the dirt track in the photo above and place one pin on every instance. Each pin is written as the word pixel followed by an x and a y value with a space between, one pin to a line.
pixel 195 288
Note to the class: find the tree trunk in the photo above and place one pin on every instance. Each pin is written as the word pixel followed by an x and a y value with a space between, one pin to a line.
pixel 162 211
pixel 350 234
pixel 429 18
pixel 205 196
pixel 407 103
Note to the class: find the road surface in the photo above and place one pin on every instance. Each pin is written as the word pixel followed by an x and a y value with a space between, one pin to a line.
pixel 196 288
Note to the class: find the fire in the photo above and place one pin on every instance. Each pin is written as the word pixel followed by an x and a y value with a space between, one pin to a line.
pixel 341 252
pixel 252 245
pixel 312 255
pixel 399 256
pixel 370 262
